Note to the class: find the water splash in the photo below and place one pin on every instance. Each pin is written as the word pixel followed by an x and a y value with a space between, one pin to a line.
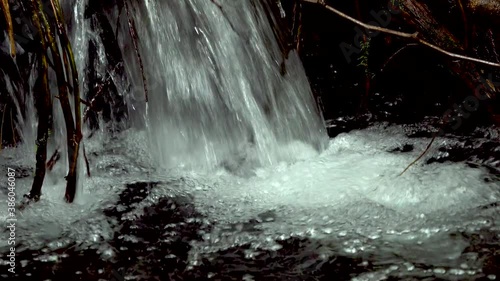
pixel 213 73
pixel 403 224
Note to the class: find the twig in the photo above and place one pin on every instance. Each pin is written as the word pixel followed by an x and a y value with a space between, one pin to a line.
pixel 14 141
pixel 446 117
pixel 133 34
pixel 216 4
pixel 1 125
pixel 225 15
pixel 395 54
pixel 297 24
pixel 92 104
pixel 118 20
pixel 86 160
pixel 492 42
pixel 421 155
pixel 53 159
pixel 413 36
pixel 86 103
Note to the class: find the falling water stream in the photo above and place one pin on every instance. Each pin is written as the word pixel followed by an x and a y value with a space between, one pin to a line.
pixel 245 147
pixel 216 87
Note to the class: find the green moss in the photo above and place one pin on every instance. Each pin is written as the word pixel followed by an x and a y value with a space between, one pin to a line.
pixel 364 57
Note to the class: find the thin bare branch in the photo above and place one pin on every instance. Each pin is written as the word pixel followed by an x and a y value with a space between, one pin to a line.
pixel 133 34
pixel 413 36
pixel 86 160
pixel 1 126
pixel 53 159
pixel 13 127
pixel 395 54
pixel 420 156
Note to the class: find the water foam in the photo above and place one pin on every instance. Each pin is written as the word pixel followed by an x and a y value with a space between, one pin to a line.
pixel 355 178
pixel 349 197
pixel 218 101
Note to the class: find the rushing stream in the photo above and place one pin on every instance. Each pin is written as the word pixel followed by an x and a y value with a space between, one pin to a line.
pixel 226 173
pixel 342 213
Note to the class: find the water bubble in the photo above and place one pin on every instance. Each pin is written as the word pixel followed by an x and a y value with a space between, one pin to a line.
pixel 439 270
pixel 328 230
pixel 409 266
pixel 456 271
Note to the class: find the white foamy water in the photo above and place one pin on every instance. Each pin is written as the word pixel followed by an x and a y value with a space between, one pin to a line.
pixel 350 197
pixel 215 82
pixel 354 190
pixel 245 144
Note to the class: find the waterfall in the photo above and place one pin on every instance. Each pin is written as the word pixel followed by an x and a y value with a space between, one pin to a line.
pixel 230 193
pixel 215 88
pixel 216 94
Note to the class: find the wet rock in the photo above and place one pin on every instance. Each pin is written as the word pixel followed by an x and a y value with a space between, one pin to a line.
pixel 348 123
pixel 21 172
pixel 146 248
pixel 404 148
pixel 133 193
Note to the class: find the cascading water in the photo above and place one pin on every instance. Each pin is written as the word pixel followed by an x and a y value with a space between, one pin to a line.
pixel 215 85
pixel 242 170
pixel 216 94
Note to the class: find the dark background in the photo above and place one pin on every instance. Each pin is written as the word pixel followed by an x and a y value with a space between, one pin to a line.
pixel 411 86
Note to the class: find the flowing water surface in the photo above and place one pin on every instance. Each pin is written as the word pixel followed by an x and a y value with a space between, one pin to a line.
pixel 226 172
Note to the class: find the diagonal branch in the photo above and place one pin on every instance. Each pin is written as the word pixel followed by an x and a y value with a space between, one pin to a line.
pixel 1 125
pixel 133 34
pixel 421 154
pixel 395 54
pixel 413 36
pixel 10 28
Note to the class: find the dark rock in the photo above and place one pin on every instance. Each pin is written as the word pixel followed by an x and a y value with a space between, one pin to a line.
pixel 405 148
